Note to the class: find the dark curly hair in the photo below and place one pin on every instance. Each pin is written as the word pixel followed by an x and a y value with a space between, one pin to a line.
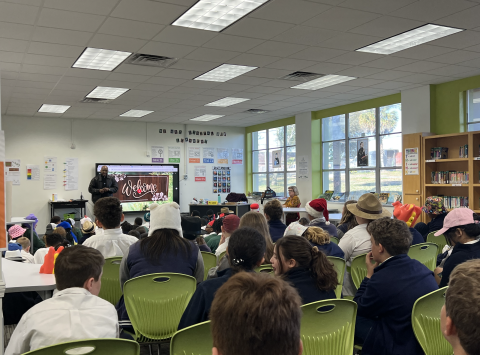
pixel 274 210
pixel 108 212
pixel 217 225
pixel 393 234
pixel 246 248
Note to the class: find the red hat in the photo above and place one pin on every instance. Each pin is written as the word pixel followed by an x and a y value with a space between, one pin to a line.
pixel 317 207
pixel 230 223
pixel 408 213
pixel 210 223
pixel 254 206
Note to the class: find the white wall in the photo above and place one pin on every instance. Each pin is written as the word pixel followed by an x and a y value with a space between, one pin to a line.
pixel 303 129
pixel 31 138
pixel 416 110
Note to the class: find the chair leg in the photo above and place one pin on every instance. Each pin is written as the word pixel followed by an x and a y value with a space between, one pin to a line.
pixel 150 348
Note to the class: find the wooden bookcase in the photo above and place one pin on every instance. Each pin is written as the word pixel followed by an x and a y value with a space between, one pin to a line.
pixel 453 163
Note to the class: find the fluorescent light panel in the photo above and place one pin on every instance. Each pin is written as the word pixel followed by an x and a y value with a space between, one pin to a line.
pixel 135 113
pixel 227 101
pixel 53 108
pixel 205 118
pixel 410 39
pixel 107 93
pixel 100 59
pixel 323 82
pixel 215 15
pixel 225 72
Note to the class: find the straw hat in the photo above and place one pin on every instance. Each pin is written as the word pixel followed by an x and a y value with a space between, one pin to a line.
pixel 368 207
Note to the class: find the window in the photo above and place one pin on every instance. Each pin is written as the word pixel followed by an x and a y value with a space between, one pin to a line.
pixel 350 143
pixel 473 102
pixel 274 160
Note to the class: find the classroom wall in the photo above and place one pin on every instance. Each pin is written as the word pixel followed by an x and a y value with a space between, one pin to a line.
pixel 97 141
pixel 416 110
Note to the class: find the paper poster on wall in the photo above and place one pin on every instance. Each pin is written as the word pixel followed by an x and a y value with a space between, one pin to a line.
pixel 221 179
pixel 3 198
pixel 174 154
pixel 237 156
pixel 158 154
pixel 276 158
pixel 302 168
pixel 33 172
pixel 200 173
pixel 362 152
pixel 71 174
pixel 208 155
pixel 411 161
pixel 12 171
pixel 50 164
pixel 193 155
pixel 222 156
pixel 49 181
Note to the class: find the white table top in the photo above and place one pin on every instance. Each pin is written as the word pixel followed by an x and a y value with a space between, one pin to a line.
pixel 293 209
pixel 335 217
pixel 21 220
pixel 20 277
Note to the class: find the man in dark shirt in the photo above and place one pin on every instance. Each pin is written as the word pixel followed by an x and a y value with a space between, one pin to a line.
pixel 102 185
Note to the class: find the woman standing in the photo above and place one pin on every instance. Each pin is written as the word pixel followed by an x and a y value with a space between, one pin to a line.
pixel 292 201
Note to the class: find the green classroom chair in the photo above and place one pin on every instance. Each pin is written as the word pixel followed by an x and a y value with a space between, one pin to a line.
pixel 268 268
pixel 334 240
pixel 91 347
pixel 339 265
pixel 156 302
pixel 426 323
pixel 441 241
pixel 209 261
pixel 221 256
pixel 426 253
pixel 328 327
pixel 111 290
pixel 193 340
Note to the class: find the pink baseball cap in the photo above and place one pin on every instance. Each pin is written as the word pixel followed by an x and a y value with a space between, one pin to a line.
pixel 16 231
pixel 457 217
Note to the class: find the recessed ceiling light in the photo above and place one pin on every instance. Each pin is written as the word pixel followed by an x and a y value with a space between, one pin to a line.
pixel 323 82
pixel 227 101
pixel 225 72
pixel 206 117
pixel 135 113
pixel 102 92
pixel 215 15
pixel 410 39
pixel 53 108
pixel 100 59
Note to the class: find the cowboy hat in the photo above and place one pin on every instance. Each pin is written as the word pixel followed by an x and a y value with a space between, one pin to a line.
pixel 368 207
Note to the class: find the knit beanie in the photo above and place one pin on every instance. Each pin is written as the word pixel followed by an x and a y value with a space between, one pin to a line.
pixel 317 208
pixel 16 231
pixel 231 223
pixel 166 216
pixel 31 217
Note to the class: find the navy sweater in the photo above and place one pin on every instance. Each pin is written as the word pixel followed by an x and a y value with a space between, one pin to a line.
pixel 417 237
pixel 329 228
pixel 306 285
pixel 460 254
pixel 388 297
pixel 277 229
pixel 330 249
pixel 199 307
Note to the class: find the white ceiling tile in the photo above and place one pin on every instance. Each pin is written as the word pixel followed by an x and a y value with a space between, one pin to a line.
pixel 341 19
pixel 149 11
pixel 387 26
pixel 184 35
pixel 41 69
pixel 450 70
pixel 377 6
pixel 47 60
pixel 389 62
pixel 277 48
pixel 7 75
pixel 137 69
pixel 289 11
pixel 349 41
pixel 420 66
pixel 419 78
pixel 359 71
pixel 87 73
pixel 186 90
pixel 156 80
pixel 116 43
pixel 423 51
pixel 291 64
pixel 455 57
pixel 389 75
pixel 187 64
pixel 232 43
pixel 327 68
pixel 15 31
pixel 283 84
pixel 318 54
pixel 54 35
pixel 431 10
pixel 130 28
pixel 364 82
pixel 463 19
pixel 366 91
pixel 263 89
pixel 179 74
pixel 213 55
pixel 236 87
pixel 390 85
pixel 13 45
pixel 166 49
pixel 11 57
pixel 128 77
pixel 253 60
pixel 355 58
pixel 91 82
pixel 69 20
pixel 59 50
pixel 96 7
pixel 34 84
pixel 310 36
pixel 18 13
pixel 256 28
pixel 268 73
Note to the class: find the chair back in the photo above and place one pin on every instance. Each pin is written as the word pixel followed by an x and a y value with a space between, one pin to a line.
pixel 339 265
pixel 209 261
pixel 221 256
pixel 426 253
pixel 91 347
pixel 194 340
pixel 334 240
pixel 358 270
pixel 268 268
pixel 111 290
pixel 328 327
pixel 441 241
pixel 155 303
pixel 426 323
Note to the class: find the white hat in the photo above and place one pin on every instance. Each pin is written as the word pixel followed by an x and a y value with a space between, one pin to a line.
pixel 84 219
pixel 14 255
pixel 295 228
pixel 166 216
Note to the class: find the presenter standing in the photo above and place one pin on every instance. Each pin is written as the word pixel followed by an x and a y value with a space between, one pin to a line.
pixel 102 185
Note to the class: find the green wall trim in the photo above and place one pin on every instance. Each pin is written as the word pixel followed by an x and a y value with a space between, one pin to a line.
pixel 316 158
pixel 278 123
pixel 358 106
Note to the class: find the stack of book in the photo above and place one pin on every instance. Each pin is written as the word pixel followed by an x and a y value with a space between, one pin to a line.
pixel 439 153
pixel 450 177
pixel 463 152
pixel 451 202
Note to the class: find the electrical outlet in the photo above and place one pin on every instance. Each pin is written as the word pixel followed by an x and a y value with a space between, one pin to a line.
pixel 185 177
pixel 147 153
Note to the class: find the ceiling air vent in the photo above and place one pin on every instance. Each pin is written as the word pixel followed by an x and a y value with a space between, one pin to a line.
pixel 254 110
pixel 151 60
pixel 301 76
pixel 95 101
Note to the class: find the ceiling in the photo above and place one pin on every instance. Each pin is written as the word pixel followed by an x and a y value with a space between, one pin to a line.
pixel 41 39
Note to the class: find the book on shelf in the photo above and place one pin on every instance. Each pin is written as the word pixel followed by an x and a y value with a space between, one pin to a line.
pixel 328 194
pixel 450 177
pixel 439 153
pixel 383 197
pixel 463 152
pixel 337 196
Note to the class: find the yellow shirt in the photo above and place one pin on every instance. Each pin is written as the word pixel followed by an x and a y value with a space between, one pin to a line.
pixel 292 202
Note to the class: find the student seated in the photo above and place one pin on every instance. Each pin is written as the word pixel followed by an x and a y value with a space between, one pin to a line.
pixel 135 233
pixel 69 235
pixel 37 242
pixel 273 212
pixel 460 316
pixel 303 221
pixel 75 312
pixel 56 219
pixel 256 314
pixel 357 240
pixel 52 240
pixel 195 213
pixel 88 230
pixel 305 267
pixel 126 227
pixel 14 232
pixel 318 215
pixel 77 231
pixel 192 230
pixel 317 237
pixel 348 220
pixel 25 252
pixel 165 250
pixel 112 242
pixel 460 228
pixel 230 225
pixel 257 221
pixel 210 215
pixel 214 239
pixel 245 251
pixel 139 223
pixel 436 210
pixel 387 294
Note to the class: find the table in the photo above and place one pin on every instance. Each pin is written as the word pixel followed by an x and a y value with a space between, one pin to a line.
pixel 20 220
pixel 239 209
pixel 68 204
pixel 335 217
